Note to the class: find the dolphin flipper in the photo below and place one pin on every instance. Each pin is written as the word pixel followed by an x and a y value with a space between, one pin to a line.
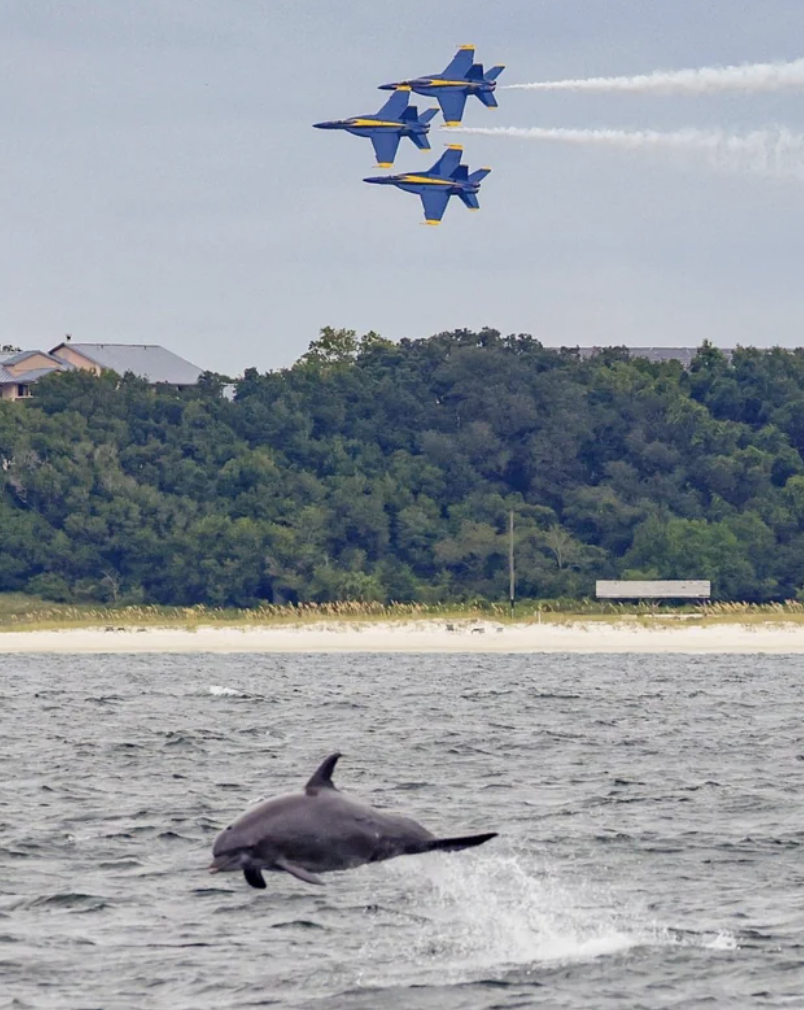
pixel 322 778
pixel 296 871
pixel 254 877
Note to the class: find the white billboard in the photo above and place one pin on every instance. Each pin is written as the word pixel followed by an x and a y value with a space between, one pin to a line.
pixel 668 589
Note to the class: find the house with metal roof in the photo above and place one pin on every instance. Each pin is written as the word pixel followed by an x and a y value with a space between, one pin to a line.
pixel 20 370
pixel 150 361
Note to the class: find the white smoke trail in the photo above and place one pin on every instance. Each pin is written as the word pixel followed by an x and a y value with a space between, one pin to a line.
pixel 776 153
pixel 755 77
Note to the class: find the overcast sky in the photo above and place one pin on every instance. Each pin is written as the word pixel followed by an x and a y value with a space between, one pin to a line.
pixel 160 181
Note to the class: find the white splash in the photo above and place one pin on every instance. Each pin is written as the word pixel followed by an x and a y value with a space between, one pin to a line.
pixel 224 692
pixel 747 77
pixel 501 916
pixel 482 915
pixel 497 911
pixel 772 153
pixel 722 941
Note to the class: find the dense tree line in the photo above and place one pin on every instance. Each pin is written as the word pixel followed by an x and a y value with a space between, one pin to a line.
pixel 383 471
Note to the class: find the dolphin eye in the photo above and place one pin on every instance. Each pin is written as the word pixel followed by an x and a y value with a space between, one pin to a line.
pixel 229 828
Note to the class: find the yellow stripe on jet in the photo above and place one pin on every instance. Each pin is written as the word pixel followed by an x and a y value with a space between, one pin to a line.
pixel 373 122
pixel 426 181
pixel 450 84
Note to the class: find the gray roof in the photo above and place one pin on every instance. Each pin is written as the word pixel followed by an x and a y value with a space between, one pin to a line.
pixel 683 354
pixel 150 361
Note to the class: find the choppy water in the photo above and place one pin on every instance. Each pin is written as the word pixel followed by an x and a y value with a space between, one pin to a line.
pixel 650 811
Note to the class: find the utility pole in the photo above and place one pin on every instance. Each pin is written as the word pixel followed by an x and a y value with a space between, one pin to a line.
pixel 511 580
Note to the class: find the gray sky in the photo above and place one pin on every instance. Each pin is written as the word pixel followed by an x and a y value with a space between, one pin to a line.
pixel 160 180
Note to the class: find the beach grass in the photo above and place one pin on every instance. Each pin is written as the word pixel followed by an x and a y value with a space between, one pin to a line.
pixel 20 612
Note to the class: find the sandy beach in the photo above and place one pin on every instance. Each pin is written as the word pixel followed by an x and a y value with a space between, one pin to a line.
pixel 422 636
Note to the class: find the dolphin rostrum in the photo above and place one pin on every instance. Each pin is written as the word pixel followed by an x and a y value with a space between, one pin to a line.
pixel 321 830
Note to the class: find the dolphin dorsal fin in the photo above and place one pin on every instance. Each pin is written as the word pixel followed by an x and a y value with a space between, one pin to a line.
pixel 322 778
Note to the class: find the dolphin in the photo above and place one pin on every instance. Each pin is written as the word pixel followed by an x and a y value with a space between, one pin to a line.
pixel 319 831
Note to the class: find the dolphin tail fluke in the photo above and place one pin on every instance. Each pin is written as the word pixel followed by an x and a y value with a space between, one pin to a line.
pixel 254 877
pixel 456 844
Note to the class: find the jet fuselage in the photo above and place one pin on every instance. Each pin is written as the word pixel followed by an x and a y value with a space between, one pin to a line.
pixel 364 126
pixel 434 86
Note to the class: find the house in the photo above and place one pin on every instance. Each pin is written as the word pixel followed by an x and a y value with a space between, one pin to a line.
pixel 150 361
pixel 20 370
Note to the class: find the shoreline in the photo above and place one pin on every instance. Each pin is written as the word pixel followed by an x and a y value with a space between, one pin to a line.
pixel 424 636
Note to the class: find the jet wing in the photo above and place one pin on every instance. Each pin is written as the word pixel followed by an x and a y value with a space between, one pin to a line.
pixel 452 103
pixel 385 147
pixel 435 203
pixel 461 63
pixel 447 163
pixel 395 105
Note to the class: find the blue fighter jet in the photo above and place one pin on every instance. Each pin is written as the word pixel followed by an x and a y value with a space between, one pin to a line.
pixel 448 177
pixel 463 77
pixel 396 119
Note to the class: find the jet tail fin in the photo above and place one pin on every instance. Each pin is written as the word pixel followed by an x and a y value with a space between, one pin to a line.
pixel 488 99
pixel 479 175
pixel 421 141
pixel 495 72
pixel 470 200
pixel 475 72
pixel 427 115
pixel 456 844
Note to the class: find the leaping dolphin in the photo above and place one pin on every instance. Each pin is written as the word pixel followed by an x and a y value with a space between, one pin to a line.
pixel 320 830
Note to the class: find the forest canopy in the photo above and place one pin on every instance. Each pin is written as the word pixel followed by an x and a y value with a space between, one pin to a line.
pixel 372 470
